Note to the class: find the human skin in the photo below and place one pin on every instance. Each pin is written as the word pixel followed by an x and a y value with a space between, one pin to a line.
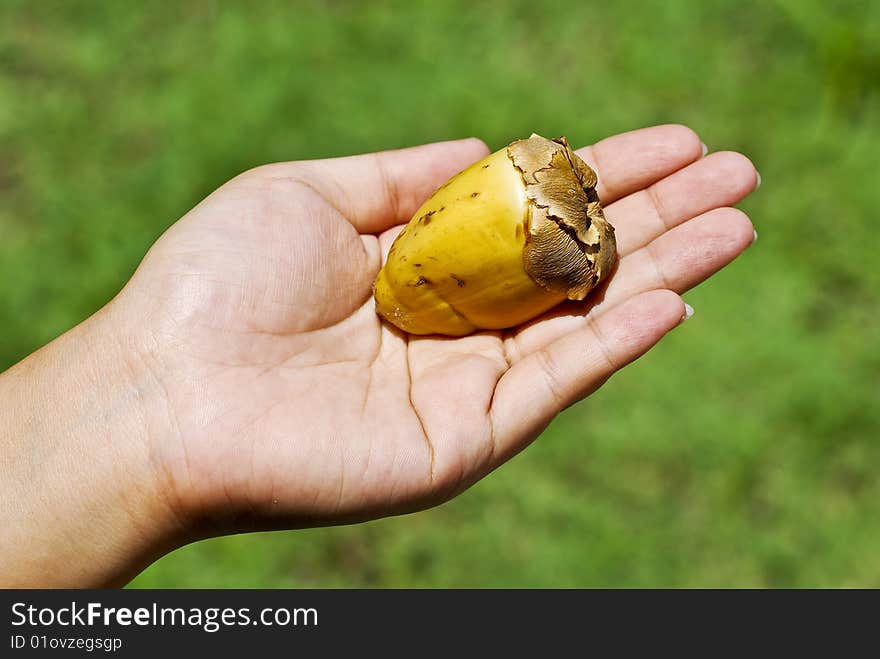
pixel 241 379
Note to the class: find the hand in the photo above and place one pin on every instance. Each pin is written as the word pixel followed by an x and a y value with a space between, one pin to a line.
pixel 291 403
pixel 273 396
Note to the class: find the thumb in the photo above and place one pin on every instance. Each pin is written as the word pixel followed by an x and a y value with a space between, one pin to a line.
pixel 375 191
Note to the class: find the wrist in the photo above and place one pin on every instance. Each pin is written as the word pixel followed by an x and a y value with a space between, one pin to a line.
pixel 82 502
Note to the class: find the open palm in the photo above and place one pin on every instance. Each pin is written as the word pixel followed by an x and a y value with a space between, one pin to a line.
pixel 287 402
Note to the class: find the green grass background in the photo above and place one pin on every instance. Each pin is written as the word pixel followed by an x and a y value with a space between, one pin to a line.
pixel 743 451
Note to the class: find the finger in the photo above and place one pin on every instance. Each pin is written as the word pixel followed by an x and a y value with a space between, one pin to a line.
pixel 378 190
pixel 631 161
pixel 681 258
pixel 543 384
pixel 719 179
pixel 678 260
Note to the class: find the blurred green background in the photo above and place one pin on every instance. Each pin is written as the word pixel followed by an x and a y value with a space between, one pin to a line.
pixel 743 451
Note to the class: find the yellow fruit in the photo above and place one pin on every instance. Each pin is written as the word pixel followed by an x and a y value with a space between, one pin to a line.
pixel 499 243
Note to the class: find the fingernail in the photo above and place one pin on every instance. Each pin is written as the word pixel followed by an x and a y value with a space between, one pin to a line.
pixel 705 148
pixel 688 312
pixel 758 179
pixel 754 237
